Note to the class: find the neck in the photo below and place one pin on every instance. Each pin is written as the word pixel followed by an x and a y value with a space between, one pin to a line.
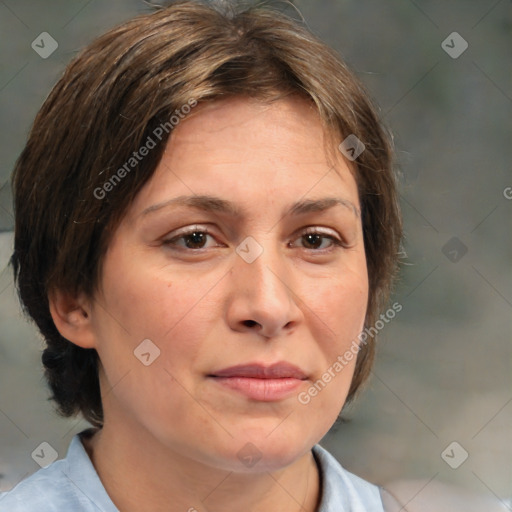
pixel 132 476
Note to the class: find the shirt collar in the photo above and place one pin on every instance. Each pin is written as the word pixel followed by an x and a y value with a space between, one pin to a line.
pixel 83 476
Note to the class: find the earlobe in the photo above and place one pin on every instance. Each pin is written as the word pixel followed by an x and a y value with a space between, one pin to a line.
pixel 72 317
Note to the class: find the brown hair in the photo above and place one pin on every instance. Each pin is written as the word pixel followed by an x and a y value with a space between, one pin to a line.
pixel 113 96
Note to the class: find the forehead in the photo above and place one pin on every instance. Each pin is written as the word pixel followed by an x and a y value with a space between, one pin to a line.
pixel 242 125
pixel 251 151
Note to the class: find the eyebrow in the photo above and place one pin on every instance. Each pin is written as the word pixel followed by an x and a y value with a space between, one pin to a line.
pixel 216 204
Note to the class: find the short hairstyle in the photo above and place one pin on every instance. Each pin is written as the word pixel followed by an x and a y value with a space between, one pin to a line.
pixel 114 95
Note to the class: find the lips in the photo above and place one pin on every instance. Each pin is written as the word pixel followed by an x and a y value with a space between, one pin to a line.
pixel 281 370
pixel 260 382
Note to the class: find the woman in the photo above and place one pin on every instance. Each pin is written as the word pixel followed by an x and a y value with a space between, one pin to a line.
pixel 207 229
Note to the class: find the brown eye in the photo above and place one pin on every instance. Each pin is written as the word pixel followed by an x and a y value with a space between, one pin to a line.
pixel 313 240
pixel 318 240
pixel 193 239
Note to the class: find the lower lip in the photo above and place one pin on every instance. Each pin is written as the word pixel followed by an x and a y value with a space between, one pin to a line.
pixel 263 390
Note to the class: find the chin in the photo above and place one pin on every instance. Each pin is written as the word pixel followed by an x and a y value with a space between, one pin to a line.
pixel 268 450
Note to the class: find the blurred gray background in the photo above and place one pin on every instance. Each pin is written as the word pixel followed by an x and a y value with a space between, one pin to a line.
pixel 443 371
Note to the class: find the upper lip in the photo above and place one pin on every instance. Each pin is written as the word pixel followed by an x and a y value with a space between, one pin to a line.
pixel 280 370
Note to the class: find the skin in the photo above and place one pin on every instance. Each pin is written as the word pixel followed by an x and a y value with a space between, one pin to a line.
pixel 303 300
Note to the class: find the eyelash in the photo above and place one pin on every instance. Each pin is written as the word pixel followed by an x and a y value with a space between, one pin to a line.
pixel 335 242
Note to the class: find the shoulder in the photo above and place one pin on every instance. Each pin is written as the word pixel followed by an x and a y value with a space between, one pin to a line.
pixel 42 491
pixel 342 490
pixel 437 495
pixel 68 484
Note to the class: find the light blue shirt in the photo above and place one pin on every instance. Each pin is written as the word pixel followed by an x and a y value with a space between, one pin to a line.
pixel 72 485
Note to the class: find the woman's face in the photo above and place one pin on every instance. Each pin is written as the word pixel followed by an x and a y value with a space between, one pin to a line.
pixel 249 283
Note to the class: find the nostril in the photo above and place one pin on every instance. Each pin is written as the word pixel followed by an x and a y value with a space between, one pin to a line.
pixel 250 323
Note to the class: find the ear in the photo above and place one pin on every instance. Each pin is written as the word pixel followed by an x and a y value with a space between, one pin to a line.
pixel 72 317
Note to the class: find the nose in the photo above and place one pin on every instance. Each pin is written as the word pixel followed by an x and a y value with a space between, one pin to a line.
pixel 263 298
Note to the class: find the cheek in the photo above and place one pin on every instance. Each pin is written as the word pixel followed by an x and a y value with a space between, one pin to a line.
pixel 146 302
pixel 341 304
pixel 340 313
pixel 176 314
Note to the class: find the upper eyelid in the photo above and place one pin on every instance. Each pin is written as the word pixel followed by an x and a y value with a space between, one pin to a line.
pixel 317 229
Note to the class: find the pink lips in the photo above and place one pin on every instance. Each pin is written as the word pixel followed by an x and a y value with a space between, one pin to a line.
pixel 260 382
